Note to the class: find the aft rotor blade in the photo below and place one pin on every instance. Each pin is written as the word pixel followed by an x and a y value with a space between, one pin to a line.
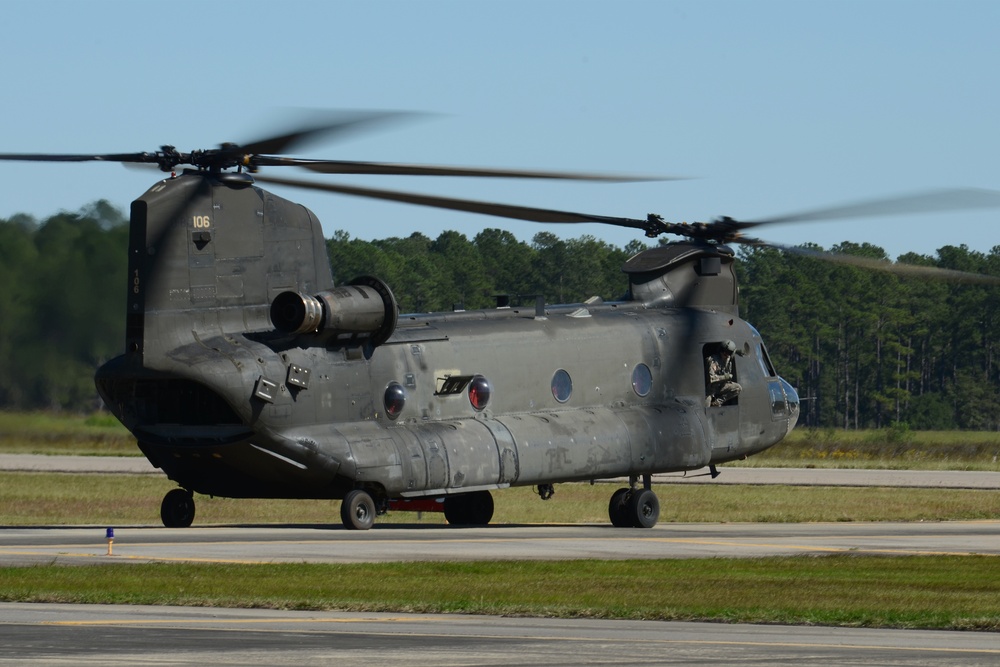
pixel 897 268
pixel 385 168
pixel 466 205
pixel 925 202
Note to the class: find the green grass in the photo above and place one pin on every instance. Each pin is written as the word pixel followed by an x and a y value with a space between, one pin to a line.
pixel 885 449
pixel 34 499
pixel 97 434
pixel 912 592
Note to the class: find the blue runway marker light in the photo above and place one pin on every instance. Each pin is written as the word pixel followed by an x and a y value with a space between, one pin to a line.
pixel 109 534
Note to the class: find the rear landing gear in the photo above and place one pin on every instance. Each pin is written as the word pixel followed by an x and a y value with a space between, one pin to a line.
pixel 177 509
pixel 357 510
pixel 469 509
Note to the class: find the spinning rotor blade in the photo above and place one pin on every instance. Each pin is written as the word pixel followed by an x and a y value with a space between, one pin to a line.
pixel 724 230
pixel 469 206
pixel 925 202
pixel 51 157
pixel 897 268
pixel 352 167
pixel 337 125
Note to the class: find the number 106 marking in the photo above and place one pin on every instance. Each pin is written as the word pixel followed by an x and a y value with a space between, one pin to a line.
pixel 201 222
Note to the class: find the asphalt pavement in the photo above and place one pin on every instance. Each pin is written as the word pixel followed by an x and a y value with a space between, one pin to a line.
pixel 54 635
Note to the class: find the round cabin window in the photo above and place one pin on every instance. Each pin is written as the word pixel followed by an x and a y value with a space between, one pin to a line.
pixel 642 380
pixel 479 392
pixel 562 386
pixel 394 399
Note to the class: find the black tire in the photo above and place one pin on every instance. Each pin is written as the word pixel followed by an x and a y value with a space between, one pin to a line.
pixel 618 509
pixel 479 507
pixel 644 508
pixel 455 511
pixel 177 509
pixel 469 509
pixel 357 510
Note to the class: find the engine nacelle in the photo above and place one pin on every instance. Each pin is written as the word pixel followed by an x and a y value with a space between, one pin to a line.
pixel 684 274
pixel 365 309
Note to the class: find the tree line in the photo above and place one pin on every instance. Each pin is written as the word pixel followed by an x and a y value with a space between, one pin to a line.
pixel 865 349
pixel 870 348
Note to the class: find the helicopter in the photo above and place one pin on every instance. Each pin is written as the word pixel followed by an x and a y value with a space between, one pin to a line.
pixel 247 372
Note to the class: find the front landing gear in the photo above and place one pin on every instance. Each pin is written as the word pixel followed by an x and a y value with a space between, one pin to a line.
pixel 634 508
pixel 177 509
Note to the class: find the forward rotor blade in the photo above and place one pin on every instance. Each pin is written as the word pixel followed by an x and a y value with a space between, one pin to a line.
pixel 897 268
pixel 925 202
pixel 385 168
pixel 52 157
pixel 466 205
pixel 336 125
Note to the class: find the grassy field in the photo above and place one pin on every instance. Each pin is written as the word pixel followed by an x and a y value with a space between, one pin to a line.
pixel 64 434
pixel 885 449
pixel 914 592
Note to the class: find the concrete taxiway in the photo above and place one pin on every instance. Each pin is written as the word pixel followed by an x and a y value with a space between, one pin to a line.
pixel 108 635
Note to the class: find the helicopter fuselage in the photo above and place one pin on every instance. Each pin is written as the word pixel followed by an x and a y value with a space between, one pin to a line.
pixel 412 406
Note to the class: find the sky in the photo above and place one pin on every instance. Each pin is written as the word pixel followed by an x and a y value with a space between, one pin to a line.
pixel 765 108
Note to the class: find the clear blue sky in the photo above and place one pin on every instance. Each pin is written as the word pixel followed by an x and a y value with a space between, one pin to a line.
pixel 773 106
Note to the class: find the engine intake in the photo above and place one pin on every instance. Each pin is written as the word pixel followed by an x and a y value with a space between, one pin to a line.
pixel 364 309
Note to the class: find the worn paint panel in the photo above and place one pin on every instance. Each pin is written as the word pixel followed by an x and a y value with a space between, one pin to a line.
pixel 571 445
pixel 666 438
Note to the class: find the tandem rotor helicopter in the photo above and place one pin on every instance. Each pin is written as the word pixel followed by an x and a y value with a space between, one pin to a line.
pixel 247 373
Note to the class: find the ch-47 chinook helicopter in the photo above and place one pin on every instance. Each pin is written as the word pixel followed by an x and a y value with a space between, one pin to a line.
pixel 247 373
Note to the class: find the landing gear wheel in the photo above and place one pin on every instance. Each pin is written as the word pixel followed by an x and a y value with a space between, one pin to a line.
pixel 177 509
pixel 479 508
pixel 454 511
pixel 357 510
pixel 644 508
pixel 469 509
pixel 618 509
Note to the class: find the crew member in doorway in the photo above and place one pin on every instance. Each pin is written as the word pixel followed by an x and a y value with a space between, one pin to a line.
pixel 721 387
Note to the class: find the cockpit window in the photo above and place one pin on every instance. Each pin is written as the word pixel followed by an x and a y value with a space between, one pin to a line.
pixel 765 361
pixel 784 399
pixel 778 406
pixel 791 396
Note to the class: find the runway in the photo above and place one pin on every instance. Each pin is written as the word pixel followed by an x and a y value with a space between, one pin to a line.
pixel 55 634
